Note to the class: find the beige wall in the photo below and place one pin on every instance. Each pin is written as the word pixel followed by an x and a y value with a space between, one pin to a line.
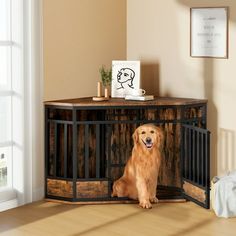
pixel 158 35
pixel 78 37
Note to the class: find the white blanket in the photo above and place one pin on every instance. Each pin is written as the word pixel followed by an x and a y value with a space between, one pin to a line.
pixel 224 195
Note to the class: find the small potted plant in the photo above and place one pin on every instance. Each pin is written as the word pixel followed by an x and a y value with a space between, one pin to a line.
pixel 106 77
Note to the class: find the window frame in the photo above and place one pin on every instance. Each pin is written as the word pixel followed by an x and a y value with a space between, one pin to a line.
pixel 27 105
pixel 8 93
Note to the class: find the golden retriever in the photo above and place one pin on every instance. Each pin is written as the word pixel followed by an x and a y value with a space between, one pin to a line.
pixel 139 180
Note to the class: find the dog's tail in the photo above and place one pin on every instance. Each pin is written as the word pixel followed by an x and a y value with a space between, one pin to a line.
pixel 120 188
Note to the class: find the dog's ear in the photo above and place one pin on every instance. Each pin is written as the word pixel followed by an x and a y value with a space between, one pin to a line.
pixel 135 137
pixel 132 74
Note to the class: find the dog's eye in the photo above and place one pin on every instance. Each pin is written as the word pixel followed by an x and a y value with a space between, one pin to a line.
pixel 152 132
pixel 143 132
pixel 125 74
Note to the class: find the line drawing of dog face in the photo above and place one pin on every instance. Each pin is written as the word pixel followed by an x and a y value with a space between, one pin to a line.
pixel 125 75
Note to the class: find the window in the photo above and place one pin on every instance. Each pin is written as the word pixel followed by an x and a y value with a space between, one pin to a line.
pixel 21 107
pixel 6 45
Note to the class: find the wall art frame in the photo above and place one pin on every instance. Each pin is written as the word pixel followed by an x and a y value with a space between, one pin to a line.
pixel 209 32
pixel 125 78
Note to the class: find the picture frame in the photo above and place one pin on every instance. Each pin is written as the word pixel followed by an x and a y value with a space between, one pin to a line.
pixel 209 32
pixel 125 78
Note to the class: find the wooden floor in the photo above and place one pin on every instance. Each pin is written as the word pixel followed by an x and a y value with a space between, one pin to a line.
pixel 172 219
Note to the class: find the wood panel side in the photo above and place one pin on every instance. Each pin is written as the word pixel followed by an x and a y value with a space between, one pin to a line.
pixel 92 189
pixel 194 192
pixel 60 188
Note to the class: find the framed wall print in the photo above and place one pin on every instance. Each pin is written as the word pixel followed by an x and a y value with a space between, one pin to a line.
pixel 209 32
pixel 125 78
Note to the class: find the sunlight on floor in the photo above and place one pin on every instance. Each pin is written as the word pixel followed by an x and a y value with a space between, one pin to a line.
pixel 173 219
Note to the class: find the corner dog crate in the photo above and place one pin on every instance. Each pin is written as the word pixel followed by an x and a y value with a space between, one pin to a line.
pixel 87 145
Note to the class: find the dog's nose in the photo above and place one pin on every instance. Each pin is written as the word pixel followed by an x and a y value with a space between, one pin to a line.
pixel 148 140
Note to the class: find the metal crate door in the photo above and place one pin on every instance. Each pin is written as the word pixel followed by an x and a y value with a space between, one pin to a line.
pixel 195 165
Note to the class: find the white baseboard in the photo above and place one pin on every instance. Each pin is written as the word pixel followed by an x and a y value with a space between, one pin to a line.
pixel 8 205
pixel 38 194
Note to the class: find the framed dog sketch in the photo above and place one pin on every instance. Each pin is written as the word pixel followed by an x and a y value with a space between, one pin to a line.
pixel 125 77
pixel 209 32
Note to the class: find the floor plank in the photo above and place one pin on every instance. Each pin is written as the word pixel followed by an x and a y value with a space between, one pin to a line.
pixel 172 219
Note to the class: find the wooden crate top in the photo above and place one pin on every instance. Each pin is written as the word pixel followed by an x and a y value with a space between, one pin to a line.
pixel 158 101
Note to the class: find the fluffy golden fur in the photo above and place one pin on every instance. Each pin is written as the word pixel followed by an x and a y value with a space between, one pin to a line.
pixel 139 180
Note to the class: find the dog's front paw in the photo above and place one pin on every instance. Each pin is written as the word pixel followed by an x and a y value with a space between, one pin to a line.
pixel 154 200
pixel 145 204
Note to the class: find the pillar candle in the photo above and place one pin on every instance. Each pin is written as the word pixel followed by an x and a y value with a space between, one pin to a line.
pixel 99 89
pixel 106 93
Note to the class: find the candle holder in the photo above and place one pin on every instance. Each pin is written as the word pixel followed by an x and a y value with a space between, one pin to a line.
pixel 99 96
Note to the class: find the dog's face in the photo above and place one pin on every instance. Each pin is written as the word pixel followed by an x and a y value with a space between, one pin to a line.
pixel 124 75
pixel 148 136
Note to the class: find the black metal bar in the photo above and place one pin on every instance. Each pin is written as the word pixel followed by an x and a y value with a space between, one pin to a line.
pixel 138 121
pixel 186 152
pixel 55 151
pixel 65 150
pixel 98 199
pixel 92 179
pixel 78 179
pixel 59 153
pixel 201 130
pixel 74 141
pixel 106 199
pixel 183 148
pixel 109 132
pixel 113 199
pixel 208 171
pixel 183 152
pixel 102 148
pixel 46 136
pixel 182 161
pixel 58 107
pixel 121 150
pixel 86 151
pixel 192 151
pixel 194 156
pixel 198 161
pixel 59 178
pixel 60 121
pixel 203 159
pixel 206 159
pixel 189 154
pixel 98 151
